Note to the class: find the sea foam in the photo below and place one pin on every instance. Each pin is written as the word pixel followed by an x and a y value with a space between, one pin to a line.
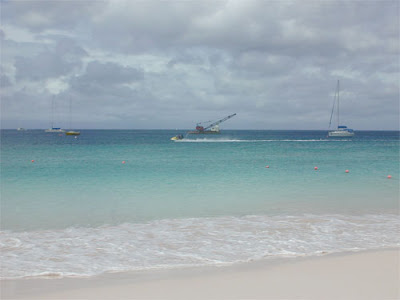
pixel 172 243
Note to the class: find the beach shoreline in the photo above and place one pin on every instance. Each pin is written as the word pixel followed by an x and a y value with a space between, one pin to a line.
pixel 371 274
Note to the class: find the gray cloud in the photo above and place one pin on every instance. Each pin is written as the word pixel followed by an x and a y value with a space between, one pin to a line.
pixel 110 73
pixel 4 80
pixel 44 65
pixel 38 16
pixel 65 57
pixel 153 64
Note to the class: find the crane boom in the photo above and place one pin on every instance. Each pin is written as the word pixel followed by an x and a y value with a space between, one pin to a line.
pixel 219 121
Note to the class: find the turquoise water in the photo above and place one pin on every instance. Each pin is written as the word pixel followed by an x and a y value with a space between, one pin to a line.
pixel 172 197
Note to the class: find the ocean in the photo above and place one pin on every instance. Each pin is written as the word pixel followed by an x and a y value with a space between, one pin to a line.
pixel 124 200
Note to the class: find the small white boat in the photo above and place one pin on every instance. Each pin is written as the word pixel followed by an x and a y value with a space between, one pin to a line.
pixel 21 129
pixel 341 130
pixel 177 137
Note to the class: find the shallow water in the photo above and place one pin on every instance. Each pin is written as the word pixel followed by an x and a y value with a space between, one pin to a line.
pixel 79 210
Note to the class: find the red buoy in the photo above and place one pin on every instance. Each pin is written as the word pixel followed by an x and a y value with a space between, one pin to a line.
pixel 32 160
pixel 315 168
pixel 389 176
pixel 267 167
pixel 347 171
pixel 123 161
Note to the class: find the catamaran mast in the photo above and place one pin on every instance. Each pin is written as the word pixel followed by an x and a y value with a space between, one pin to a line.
pixel 70 113
pixel 52 113
pixel 338 123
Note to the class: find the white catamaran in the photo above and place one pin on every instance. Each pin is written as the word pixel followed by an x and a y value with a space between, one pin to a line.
pixel 341 130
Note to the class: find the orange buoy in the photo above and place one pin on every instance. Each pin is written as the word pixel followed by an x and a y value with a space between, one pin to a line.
pixel 347 171
pixel 389 176
pixel 32 160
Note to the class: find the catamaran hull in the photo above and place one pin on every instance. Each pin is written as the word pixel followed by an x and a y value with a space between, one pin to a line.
pixel 54 130
pixel 340 133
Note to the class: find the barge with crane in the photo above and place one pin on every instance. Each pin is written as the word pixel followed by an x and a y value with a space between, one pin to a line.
pixel 212 128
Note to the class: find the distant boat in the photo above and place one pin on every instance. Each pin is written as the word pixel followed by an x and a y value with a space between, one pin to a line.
pixel 21 129
pixel 72 132
pixel 341 130
pixel 213 128
pixel 53 129
pixel 177 137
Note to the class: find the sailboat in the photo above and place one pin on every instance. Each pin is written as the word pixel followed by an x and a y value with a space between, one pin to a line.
pixel 341 130
pixel 53 129
pixel 71 132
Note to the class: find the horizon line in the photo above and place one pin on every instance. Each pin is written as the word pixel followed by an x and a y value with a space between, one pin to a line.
pixel 183 129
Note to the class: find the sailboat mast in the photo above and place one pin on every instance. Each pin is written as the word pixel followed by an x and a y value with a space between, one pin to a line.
pixel 338 103
pixel 52 112
pixel 70 113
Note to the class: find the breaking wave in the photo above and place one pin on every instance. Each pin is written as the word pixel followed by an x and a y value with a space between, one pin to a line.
pixel 173 243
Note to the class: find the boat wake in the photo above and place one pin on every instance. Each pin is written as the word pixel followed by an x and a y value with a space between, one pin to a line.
pixel 228 140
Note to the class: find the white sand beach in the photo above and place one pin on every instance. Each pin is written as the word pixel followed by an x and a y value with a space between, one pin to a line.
pixel 362 275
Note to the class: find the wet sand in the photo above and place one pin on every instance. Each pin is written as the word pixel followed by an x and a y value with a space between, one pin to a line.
pixel 361 275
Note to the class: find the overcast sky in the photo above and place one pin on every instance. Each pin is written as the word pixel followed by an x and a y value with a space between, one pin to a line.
pixel 171 64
